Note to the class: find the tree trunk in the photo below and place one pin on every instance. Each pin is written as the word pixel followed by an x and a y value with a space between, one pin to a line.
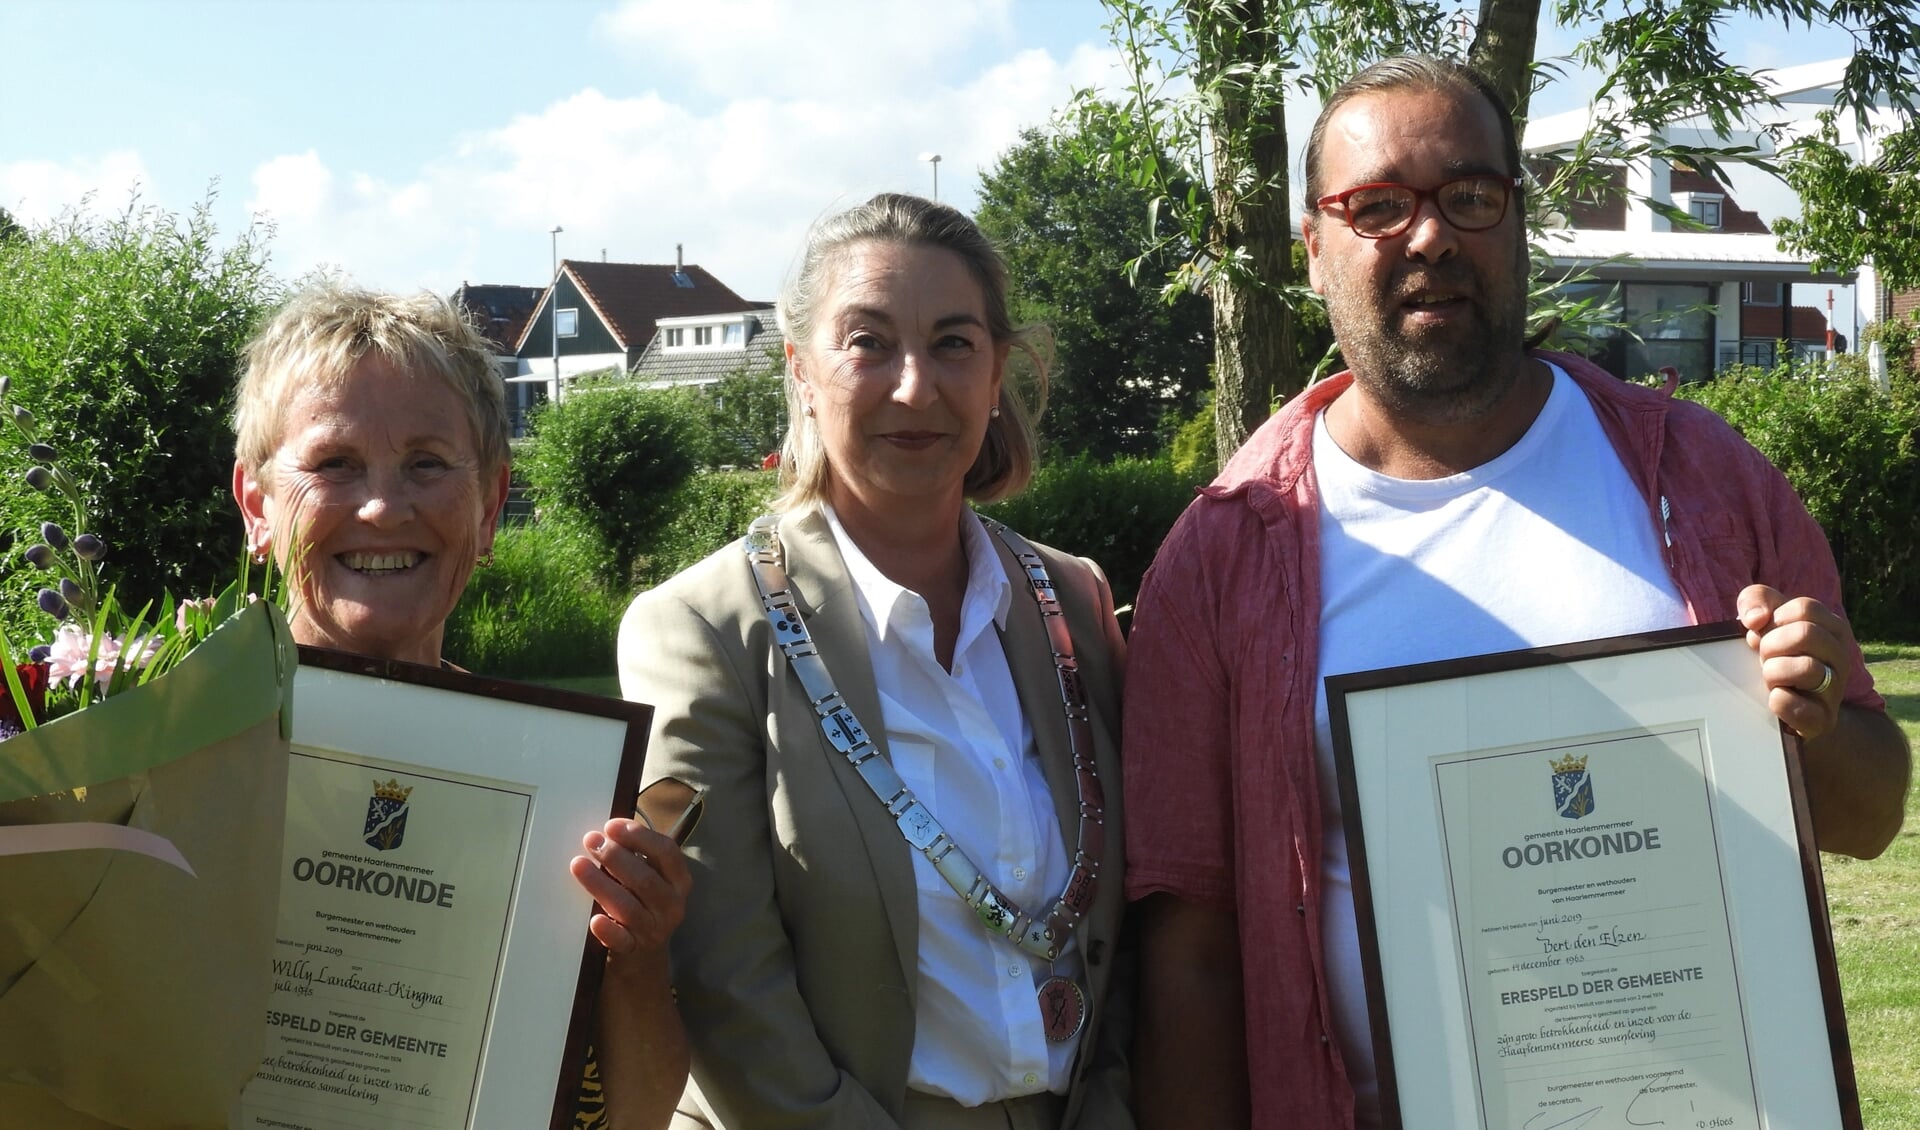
pixel 1254 355
pixel 1503 49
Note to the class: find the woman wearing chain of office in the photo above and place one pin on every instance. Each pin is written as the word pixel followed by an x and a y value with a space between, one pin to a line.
pixel 907 888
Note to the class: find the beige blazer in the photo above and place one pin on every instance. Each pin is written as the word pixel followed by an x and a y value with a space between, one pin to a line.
pixel 796 964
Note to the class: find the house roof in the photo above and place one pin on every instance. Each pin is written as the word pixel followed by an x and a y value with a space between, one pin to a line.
pixel 704 365
pixel 629 297
pixel 1724 257
pixel 499 310
pixel 632 296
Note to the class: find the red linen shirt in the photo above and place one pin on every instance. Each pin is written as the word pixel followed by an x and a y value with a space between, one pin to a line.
pixel 1221 787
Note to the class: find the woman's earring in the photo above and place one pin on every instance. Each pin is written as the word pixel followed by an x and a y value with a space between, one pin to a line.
pixel 995 412
pixel 806 410
pixel 486 559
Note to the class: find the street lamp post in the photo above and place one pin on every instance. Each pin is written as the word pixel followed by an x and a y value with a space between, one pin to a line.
pixel 934 160
pixel 553 308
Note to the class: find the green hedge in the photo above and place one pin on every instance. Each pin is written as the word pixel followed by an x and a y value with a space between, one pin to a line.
pixel 538 611
pixel 608 458
pixel 1852 453
pixel 122 335
pixel 1116 513
pixel 707 512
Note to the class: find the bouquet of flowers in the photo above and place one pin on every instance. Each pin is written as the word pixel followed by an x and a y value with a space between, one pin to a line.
pixel 143 761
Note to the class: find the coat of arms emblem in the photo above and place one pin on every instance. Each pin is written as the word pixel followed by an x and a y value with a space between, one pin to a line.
pixel 1572 787
pixel 386 816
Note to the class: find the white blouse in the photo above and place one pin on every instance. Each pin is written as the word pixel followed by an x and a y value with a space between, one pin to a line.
pixel 962 744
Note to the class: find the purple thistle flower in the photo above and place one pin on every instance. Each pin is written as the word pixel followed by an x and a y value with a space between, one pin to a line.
pixel 90 547
pixel 53 604
pixel 72 593
pixel 54 535
pixel 40 653
pixel 44 452
pixel 39 556
pixel 39 478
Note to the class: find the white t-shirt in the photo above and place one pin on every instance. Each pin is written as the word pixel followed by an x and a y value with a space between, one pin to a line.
pixel 1548 543
pixel 962 743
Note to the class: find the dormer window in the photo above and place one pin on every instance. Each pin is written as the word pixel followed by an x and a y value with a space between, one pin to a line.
pixel 703 335
pixel 735 334
pixel 675 337
pixel 1706 210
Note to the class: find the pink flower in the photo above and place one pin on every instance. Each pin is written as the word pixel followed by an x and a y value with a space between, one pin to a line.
pixel 68 659
pixel 187 608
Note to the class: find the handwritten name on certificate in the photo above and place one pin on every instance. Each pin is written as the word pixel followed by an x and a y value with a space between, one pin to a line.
pixel 395 891
pixel 1598 966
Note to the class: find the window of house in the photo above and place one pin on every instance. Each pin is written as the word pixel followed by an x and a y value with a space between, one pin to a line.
pixel 674 337
pixel 1706 209
pixel 1760 294
pixel 569 322
pixel 735 334
pixel 703 335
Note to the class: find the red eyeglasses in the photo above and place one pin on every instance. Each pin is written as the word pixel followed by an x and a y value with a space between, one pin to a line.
pixel 1378 211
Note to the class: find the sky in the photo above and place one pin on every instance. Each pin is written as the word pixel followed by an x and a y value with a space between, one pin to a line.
pixel 426 143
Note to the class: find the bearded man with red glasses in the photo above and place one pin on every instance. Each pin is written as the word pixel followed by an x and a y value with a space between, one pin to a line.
pixel 1455 493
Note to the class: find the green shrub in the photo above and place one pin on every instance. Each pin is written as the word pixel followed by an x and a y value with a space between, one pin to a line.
pixel 1853 455
pixel 707 512
pixel 608 458
pixel 1194 453
pixel 122 336
pixel 1116 513
pixel 748 414
pixel 538 611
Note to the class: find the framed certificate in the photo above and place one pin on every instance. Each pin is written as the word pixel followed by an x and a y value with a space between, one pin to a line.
pixel 432 965
pixel 1587 892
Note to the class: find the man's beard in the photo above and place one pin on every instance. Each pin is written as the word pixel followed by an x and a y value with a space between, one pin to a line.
pixel 1432 374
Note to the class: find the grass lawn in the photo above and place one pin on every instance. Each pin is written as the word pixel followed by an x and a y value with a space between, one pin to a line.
pixel 1875 906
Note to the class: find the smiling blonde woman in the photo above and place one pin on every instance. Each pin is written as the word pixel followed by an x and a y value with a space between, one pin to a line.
pixel 371 463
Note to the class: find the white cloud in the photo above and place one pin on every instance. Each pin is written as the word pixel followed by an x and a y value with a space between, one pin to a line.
pixel 36 191
pixel 737 182
pixel 879 48
pixel 294 188
pixel 734 146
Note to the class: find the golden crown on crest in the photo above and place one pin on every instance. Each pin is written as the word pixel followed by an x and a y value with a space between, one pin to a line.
pixel 1569 764
pixel 392 790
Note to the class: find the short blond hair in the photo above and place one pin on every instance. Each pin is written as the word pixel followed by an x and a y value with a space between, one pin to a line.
pixel 1007 454
pixel 323 332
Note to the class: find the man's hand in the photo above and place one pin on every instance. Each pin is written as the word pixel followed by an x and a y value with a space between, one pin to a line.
pixel 1855 759
pixel 1806 650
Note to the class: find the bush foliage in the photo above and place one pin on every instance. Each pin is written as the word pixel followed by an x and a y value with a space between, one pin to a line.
pixel 1116 513
pixel 123 336
pixel 1852 453
pixel 538 611
pixel 608 459
pixel 707 512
